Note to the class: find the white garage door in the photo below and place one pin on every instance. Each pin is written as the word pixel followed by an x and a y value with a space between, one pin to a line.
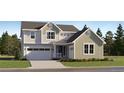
pixel 38 53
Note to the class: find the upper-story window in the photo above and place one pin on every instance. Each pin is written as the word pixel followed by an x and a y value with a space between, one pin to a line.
pixel 32 35
pixel 50 35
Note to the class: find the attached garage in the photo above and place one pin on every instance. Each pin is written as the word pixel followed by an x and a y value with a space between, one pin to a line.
pixel 37 53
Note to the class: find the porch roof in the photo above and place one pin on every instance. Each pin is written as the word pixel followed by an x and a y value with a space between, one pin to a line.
pixel 62 42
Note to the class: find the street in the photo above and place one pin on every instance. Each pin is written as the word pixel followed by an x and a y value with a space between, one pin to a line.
pixel 105 69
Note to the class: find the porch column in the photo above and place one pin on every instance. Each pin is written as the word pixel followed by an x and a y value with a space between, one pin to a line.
pixel 54 52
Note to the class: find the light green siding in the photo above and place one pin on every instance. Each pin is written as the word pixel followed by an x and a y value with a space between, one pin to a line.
pixel 88 38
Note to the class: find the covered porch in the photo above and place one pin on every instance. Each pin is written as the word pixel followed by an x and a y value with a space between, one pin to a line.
pixel 60 51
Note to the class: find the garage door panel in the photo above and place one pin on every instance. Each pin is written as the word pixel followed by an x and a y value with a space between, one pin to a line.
pixel 39 54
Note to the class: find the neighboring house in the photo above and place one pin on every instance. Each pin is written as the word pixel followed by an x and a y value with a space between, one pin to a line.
pixel 41 40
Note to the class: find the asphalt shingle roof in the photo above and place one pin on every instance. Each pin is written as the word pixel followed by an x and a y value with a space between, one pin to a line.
pixel 76 35
pixel 31 25
pixel 38 25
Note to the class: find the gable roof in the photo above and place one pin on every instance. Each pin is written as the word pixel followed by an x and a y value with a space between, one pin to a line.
pixel 39 25
pixel 76 35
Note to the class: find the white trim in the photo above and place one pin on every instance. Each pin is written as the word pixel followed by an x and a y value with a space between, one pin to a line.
pixel 30 30
pixel 85 32
pixel 74 50
pixel 72 32
pixel 44 25
pixel 53 24
pixel 63 43
pixel 80 35
pixel 89 48
pixel 98 36
pixel 48 30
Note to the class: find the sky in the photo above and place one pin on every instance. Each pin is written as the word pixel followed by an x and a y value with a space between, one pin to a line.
pixel 13 27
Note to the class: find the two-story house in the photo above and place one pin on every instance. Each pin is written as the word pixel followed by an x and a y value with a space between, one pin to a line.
pixel 46 40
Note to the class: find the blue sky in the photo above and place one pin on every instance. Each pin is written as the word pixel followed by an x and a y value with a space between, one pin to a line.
pixel 13 27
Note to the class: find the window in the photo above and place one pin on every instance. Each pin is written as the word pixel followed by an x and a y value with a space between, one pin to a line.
pixel 41 49
pixel 91 49
pixel 47 49
pixel 35 49
pixel 50 35
pixel 38 49
pixel 29 49
pixel 32 35
pixel 88 49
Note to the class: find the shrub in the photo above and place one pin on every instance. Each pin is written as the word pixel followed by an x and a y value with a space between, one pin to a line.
pixel 23 59
pixel 106 59
pixel 18 54
pixel 85 60
pixel 93 59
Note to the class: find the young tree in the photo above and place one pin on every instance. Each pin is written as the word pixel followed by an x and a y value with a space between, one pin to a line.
pixel 17 54
pixel 9 44
pixel 98 32
pixel 15 44
pixel 119 40
pixel 109 43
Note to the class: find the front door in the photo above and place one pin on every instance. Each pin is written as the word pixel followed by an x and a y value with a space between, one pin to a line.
pixel 61 51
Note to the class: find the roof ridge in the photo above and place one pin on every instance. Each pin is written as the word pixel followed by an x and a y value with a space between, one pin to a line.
pixel 65 24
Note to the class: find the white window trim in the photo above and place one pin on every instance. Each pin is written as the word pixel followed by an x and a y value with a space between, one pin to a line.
pixel 34 34
pixel 89 48
pixel 48 32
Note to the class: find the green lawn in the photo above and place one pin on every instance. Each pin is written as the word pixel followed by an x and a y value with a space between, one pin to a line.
pixel 6 56
pixel 118 61
pixel 14 64
pixel 9 62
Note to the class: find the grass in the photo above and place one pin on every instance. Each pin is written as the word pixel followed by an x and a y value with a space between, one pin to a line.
pixel 9 62
pixel 14 64
pixel 118 61
pixel 6 56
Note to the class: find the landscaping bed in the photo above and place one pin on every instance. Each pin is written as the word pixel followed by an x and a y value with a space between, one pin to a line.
pixel 112 61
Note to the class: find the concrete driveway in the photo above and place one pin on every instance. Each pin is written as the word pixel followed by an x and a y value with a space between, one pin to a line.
pixel 39 64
